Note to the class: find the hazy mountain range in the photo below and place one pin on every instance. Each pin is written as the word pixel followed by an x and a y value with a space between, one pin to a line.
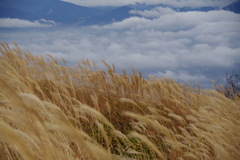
pixel 68 13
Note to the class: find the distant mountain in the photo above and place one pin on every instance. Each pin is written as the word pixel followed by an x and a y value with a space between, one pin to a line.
pixel 106 8
pixel 56 10
pixel 67 13
pixel 15 13
pixel 122 13
pixel 201 9
pixel 144 6
pixel 234 7
pixel 117 14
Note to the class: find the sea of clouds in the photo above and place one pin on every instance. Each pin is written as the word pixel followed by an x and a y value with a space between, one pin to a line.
pixel 192 46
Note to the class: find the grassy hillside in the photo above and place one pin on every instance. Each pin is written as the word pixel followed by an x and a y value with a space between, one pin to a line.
pixel 50 111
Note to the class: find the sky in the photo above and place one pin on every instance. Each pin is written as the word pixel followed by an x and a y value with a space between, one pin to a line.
pixel 175 3
pixel 185 46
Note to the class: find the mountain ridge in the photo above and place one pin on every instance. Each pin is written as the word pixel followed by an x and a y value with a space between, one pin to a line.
pixel 59 11
pixel 6 12
pixel 119 13
pixel 68 13
pixel 234 7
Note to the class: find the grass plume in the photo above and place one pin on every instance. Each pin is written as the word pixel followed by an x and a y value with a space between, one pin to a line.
pixel 51 111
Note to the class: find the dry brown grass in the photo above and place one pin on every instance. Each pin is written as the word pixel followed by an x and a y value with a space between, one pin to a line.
pixel 51 111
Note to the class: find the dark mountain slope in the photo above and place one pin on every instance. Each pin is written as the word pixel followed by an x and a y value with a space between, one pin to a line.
pixel 56 10
pixel 68 13
pixel 117 14
pixel 234 7
pixel 201 9
pixel 15 13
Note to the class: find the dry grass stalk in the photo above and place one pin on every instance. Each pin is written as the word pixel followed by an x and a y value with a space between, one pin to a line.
pixel 46 113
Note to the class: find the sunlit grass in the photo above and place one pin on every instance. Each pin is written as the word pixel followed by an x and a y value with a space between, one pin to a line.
pixel 50 111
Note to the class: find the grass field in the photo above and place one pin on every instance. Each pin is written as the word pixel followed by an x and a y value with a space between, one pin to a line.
pixel 50 111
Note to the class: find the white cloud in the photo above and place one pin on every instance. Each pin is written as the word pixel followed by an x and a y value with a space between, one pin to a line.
pixel 19 23
pixel 175 3
pixel 180 21
pixel 156 12
pixel 179 75
pixel 132 22
pixel 187 46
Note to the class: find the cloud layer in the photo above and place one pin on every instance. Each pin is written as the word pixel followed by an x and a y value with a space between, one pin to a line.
pixel 174 3
pixel 154 13
pixel 192 46
pixel 19 23
pixel 179 75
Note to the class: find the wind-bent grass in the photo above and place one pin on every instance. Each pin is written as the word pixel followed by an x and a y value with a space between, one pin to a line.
pixel 50 111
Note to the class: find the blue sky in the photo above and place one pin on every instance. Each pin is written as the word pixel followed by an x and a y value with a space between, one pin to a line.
pixel 192 46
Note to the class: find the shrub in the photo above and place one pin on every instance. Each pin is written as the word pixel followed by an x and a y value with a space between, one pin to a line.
pixel 232 87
